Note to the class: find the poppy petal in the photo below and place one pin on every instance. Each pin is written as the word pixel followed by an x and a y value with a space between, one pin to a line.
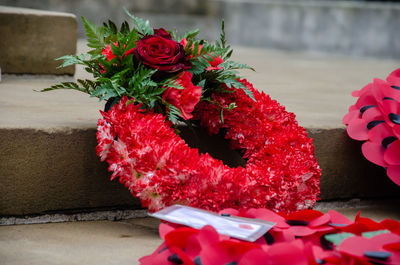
pixel 254 257
pixel 268 215
pixel 365 89
pixel 288 253
pixel 357 246
pixel 302 230
pixel 351 115
pixel 372 114
pixel 304 215
pixel 379 132
pixel 338 218
pixel 392 154
pixel 319 221
pixel 392 246
pixel 164 229
pixel 357 129
pixel 374 153
pixel 396 130
pixel 365 99
pixel 392 225
pixel 179 236
pixel 393 173
pixel 394 77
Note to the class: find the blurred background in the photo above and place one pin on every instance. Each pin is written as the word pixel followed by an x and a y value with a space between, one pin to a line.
pixel 355 28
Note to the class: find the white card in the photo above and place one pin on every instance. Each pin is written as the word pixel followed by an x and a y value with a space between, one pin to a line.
pixel 238 227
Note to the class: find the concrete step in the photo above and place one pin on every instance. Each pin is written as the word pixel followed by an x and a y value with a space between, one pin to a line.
pixel 355 28
pixel 115 242
pixel 48 161
pixel 33 39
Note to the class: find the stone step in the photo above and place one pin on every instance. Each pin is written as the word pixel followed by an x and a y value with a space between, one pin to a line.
pixel 355 28
pixel 48 161
pixel 32 40
pixel 114 242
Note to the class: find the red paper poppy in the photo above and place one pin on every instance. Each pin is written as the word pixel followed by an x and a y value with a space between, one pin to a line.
pixel 358 247
pixel 376 118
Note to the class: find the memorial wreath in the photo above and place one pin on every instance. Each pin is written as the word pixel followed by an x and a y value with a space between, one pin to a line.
pixel 154 80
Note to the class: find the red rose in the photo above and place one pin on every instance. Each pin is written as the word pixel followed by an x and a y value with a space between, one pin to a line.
pixel 162 33
pixel 184 99
pixel 162 54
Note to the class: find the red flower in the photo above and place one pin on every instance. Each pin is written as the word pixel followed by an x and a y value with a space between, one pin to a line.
pixel 184 99
pixel 214 64
pixel 109 54
pixel 162 33
pixel 376 118
pixel 184 42
pixel 184 245
pixel 161 53
pixel 357 248
pixel 361 225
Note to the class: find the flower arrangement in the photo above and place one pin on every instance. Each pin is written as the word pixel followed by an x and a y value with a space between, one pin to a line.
pixel 375 119
pixel 154 80
pixel 306 237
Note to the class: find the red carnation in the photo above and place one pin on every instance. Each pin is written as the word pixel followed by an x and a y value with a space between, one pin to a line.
pixel 184 99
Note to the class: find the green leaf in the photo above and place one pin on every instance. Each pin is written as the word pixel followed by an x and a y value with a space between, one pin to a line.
pixel 108 90
pixel 228 55
pixel 87 88
pixel 374 233
pixel 142 26
pixel 232 106
pixel 171 83
pixel 231 65
pixel 112 27
pixel 198 66
pixel 94 34
pixel 174 114
pixel 337 239
pixel 202 83
pixel 191 34
pixel 222 36
pixel 125 28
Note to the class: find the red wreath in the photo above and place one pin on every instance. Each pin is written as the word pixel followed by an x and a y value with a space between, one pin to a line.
pixel 161 169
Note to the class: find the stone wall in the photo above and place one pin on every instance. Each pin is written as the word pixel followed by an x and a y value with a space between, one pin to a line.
pixel 340 27
pixel 355 28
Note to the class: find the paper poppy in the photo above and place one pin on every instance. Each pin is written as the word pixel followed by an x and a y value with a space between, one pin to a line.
pixel 375 118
